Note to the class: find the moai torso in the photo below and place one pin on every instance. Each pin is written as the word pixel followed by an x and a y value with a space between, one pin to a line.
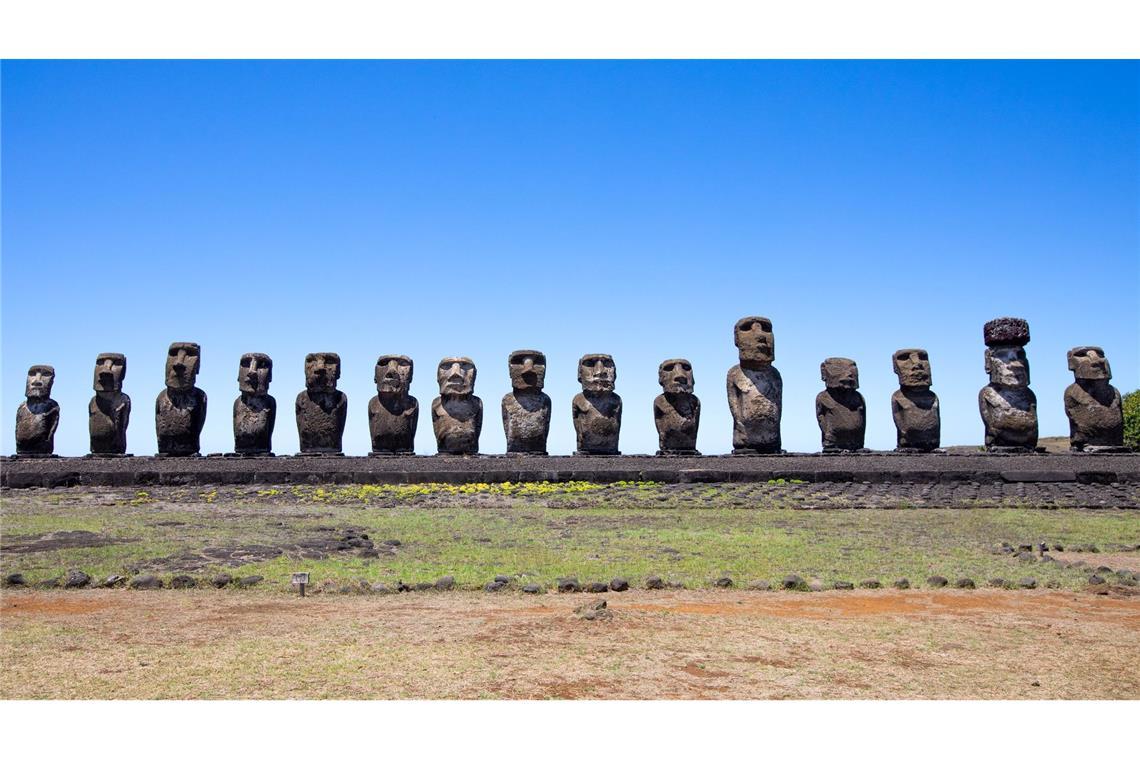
pixel 109 412
pixel 1093 406
pixel 526 409
pixel 842 417
pixel 38 417
pixel 917 419
pixel 755 397
pixel 255 411
pixel 1007 405
pixel 457 413
pixel 597 422
pixel 392 423
pixel 321 409
pixel 676 412
pixel 179 416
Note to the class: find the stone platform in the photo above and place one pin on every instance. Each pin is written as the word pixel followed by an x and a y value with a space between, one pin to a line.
pixel 809 468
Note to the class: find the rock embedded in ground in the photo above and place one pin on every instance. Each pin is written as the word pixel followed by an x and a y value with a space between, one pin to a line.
pixel 843 585
pixel 654 583
pixel 997 582
pixel 1095 580
pixel 221 580
pixel 15 579
pixel 494 586
pixel 532 588
pixel 183 581
pixel 870 583
pixel 593 611
pixel 1053 584
pixel 49 583
pixel 446 583
pixel 723 582
pixel 964 583
pixel 1027 583
pixel 425 586
pixel 597 587
pixel 249 581
pixel 619 584
pixel 504 579
pixel 568 585
pixel 792 582
pixel 76 579
pixel 381 588
pixel 113 581
pixel 146 582
pixel 760 586
pixel 936 581
pixel 901 583
pixel 815 586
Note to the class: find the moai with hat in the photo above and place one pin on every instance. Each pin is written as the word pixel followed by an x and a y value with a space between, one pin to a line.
pixel 677 411
pixel 526 409
pixel 840 408
pixel 755 389
pixel 457 413
pixel 38 417
pixel 255 411
pixel 1096 417
pixel 321 409
pixel 1008 407
pixel 180 409
pixel 393 414
pixel 597 409
pixel 109 412
pixel 914 406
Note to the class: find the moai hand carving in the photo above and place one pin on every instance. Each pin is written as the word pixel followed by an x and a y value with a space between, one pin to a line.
pixel 1007 405
pixel 597 409
pixel 914 406
pixel 109 412
pixel 755 389
pixel 1096 417
pixel 180 410
pixel 676 412
pixel 457 414
pixel 840 409
pixel 321 408
pixel 393 414
pixel 38 417
pixel 255 411
pixel 526 409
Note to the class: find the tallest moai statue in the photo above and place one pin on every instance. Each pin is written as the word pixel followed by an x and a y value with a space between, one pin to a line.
pixel 180 410
pixel 755 389
pixel 1007 405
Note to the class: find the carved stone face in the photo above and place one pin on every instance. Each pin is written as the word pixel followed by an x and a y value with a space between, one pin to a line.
pixel 754 339
pixel 839 373
pixel 912 365
pixel 528 370
pixel 393 374
pixel 110 371
pixel 675 376
pixel 456 376
pixel 40 379
pixel 1007 366
pixel 182 360
pixel 597 373
pixel 322 370
pixel 255 373
pixel 1089 363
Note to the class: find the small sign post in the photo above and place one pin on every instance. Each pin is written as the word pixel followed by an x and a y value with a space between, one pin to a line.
pixel 301 580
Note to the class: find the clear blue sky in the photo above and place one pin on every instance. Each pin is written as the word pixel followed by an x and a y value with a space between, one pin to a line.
pixel 631 208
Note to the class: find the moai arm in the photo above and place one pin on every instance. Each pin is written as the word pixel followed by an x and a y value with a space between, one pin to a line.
pixel 125 414
pixel 478 413
pixel 733 398
pixel 271 418
pixel 200 418
pixel 53 420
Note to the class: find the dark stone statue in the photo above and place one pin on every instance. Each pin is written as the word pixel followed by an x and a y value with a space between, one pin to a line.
pixel 526 409
pixel 755 389
pixel 840 408
pixel 597 409
pixel 180 410
pixel 393 414
pixel 110 409
pixel 255 411
pixel 1007 405
pixel 38 417
pixel 457 414
pixel 914 406
pixel 1096 418
pixel 321 408
pixel 676 412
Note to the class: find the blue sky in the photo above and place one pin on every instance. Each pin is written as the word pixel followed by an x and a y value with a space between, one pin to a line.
pixel 631 208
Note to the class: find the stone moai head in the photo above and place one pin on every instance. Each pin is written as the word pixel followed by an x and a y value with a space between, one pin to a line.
pixel 1005 361
pixel 322 370
pixel 41 377
pixel 675 376
pixel 393 375
pixel 182 364
pixel 528 370
pixel 255 373
pixel 1089 363
pixel 456 376
pixel 838 372
pixel 912 365
pixel 110 372
pixel 597 373
pixel 754 340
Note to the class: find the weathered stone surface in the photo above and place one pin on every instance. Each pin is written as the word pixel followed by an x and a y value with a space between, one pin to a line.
pixel 1006 331
pixel 532 588
pixel 760 586
pixel 840 409
pixel 597 409
pixel 1095 580
pixel 870 583
pixel 619 584
pixel 936 581
pixel 568 585
pixel 593 611
pixel 221 580
pixel 446 583
pixel 321 408
pixel 676 412
pixel 393 414
pixel 15 579
pixel 996 582
pixel 76 579
pixel 249 580
pixel 457 414
pixel 145 582
pixel 1096 417
pixel 502 579
pixel 180 410
pixel 1027 583
pixel 792 582
pixel 901 583
pixel 755 389
pixel 597 587
pixel 964 583
pixel 183 581
pixel 494 586
pixel 914 406
pixel 654 583
pixel 1007 405
pixel 255 411
pixel 38 417
pixel 109 412
pixel 113 581
pixel 843 585
pixel 723 582
pixel 526 409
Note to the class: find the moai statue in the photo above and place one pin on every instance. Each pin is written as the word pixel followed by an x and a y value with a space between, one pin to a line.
pixel 321 408
pixel 110 409
pixel 676 412
pixel 392 414
pixel 755 389
pixel 840 408
pixel 1008 407
pixel 255 411
pixel 526 409
pixel 1096 418
pixel 457 414
pixel 597 409
pixel 180 410
pixel 914 406
pixel 38 417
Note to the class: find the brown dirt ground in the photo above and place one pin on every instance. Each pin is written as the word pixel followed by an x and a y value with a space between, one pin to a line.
pixel 914 644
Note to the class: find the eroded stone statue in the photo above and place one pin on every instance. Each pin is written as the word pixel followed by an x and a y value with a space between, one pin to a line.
pixel 755 389
pixel 38 417
pixel 180 410
pixel 676 412
pixel 321 408
pixel 914 406
pixel 109 412
pixel 255 411
pixel 457 413
pixel 840 408
pixel 1007 405
pixel 393 414
pixel 1096 417
pixel 597 409
pixel 526 409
